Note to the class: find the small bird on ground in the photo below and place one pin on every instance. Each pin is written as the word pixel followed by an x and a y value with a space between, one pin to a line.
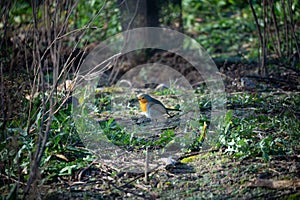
pixel 153 108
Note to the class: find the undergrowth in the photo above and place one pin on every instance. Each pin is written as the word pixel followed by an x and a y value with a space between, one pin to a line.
pixel 256 125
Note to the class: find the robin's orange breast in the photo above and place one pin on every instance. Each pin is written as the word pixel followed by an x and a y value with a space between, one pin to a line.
pixel 143 105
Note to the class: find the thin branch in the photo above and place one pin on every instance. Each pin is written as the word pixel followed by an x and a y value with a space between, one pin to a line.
pixel 258 28
pixel 286 28
pixel 271 3
pixel 293 27
pixel 264 38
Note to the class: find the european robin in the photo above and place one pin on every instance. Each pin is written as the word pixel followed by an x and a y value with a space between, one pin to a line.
pixel 152 107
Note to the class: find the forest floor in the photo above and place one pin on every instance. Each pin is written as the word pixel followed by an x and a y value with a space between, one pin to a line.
pixel 210 174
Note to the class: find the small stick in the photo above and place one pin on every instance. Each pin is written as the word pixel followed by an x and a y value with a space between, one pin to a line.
pixel 146 164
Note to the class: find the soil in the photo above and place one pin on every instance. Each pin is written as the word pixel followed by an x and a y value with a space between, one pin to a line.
pixel 207 174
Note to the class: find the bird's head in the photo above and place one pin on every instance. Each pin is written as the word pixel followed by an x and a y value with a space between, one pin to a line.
pixel 144 98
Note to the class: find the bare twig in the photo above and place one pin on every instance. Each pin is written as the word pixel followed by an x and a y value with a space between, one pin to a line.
pixel 263 69
pixel 12 179
pixel 293 27
pixel 54 48
pixel 146 164
pixel 5 12
pixel 286 28
pixel 271 3
pixel 260 36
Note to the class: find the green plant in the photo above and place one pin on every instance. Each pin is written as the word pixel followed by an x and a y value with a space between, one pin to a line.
pixel 260 133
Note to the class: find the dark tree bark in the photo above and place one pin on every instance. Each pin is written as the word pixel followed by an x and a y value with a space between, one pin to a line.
pixel 147 13
pixel 138 13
